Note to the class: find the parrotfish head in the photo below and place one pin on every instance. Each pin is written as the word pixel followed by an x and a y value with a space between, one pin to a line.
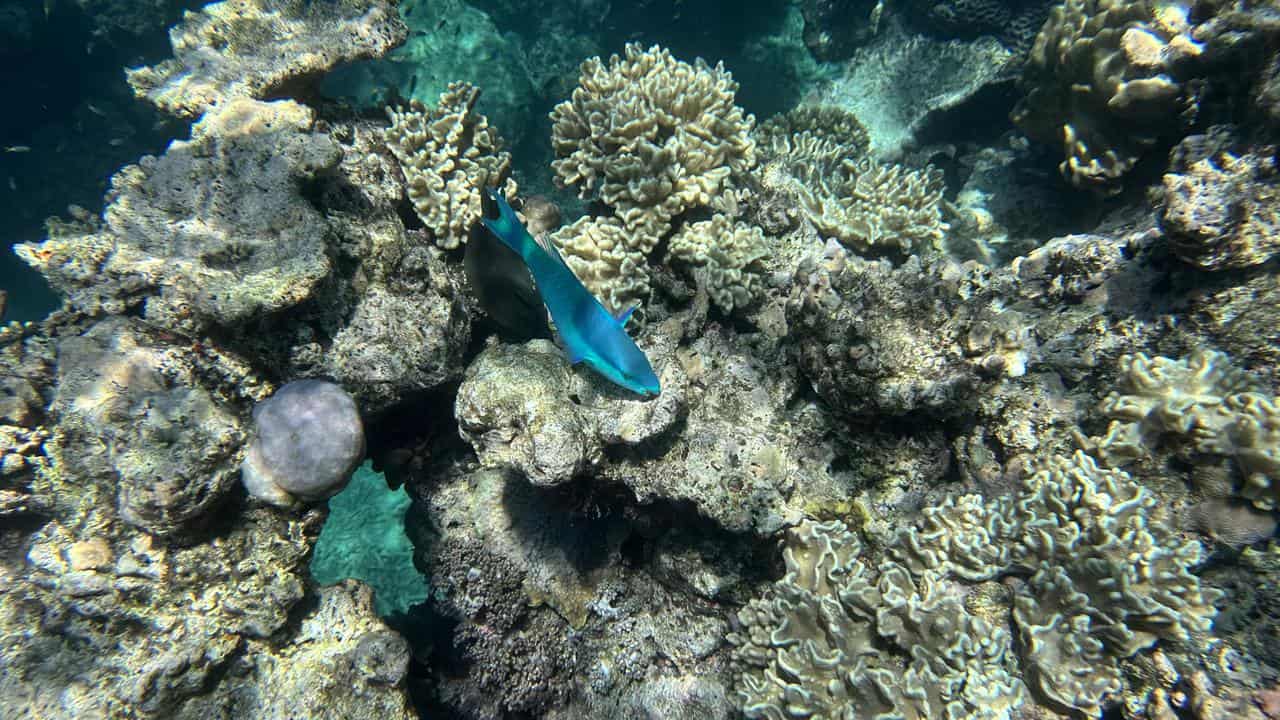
pixel 631 370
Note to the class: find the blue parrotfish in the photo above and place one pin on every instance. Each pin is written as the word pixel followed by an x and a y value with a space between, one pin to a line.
pixel 588 331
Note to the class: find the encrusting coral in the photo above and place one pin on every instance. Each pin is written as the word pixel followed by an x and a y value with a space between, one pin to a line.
pixel 215 231
pixel 232 49
pixel 1099 577
pixel 1205 410
pixel 449 154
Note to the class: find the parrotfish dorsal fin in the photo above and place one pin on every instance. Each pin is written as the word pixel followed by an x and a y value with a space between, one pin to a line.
pixel 624 315
pixel 548 245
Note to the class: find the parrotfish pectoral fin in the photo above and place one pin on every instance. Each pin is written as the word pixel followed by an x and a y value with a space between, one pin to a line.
pixel 625 315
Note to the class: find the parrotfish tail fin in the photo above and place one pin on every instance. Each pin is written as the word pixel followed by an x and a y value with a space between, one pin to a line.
pixel 506 227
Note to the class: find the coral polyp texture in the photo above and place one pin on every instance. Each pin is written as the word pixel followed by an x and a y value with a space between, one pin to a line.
pixel 1106 80
pixel 237 49
pixel 1093 576
pixel 215 231
pixel 1204 411
pixel 1224 212
pixel 449 155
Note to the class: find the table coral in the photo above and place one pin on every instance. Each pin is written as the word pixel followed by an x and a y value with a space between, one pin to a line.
pixel 449 154
pixel 233 49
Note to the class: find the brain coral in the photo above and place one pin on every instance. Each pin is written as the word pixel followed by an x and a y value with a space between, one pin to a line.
pixel 654 136
pixel 1100 80
pixel 449 154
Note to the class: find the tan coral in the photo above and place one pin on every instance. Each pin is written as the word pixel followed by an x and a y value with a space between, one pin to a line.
pixel 1224 213
pixel 732 254
pixel 232 49
pixel 449 154
pixel 654 136
pixel 1205 410
pixel 602 253
pixel 1100 82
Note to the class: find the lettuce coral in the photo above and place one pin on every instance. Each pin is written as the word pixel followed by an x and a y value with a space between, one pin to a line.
pixel 1092 575
pixel 448 155
pixel 1205 410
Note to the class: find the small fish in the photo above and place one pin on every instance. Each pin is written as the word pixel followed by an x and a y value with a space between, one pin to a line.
pixel 18 149
pixel 115 142
pixel 96 110
pixel 588 331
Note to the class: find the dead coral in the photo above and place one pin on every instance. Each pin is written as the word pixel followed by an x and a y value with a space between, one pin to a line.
pixel 232 49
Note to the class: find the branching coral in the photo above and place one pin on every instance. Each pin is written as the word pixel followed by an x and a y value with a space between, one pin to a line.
pixel 449 155
pixel 654 136
pixel 1204 409
pixel 1100 80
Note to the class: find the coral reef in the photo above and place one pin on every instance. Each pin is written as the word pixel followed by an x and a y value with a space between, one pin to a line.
pixel 213 232
pixel 731 255
pixel 1107 79
pixel 839 629
pixel 881 340
pixel 1203 407
pixel 897 83
pixel 814 162
pixel 449 154
pixel 1224 212
pixel 836 633
pixel 231 49
pixel 652 137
